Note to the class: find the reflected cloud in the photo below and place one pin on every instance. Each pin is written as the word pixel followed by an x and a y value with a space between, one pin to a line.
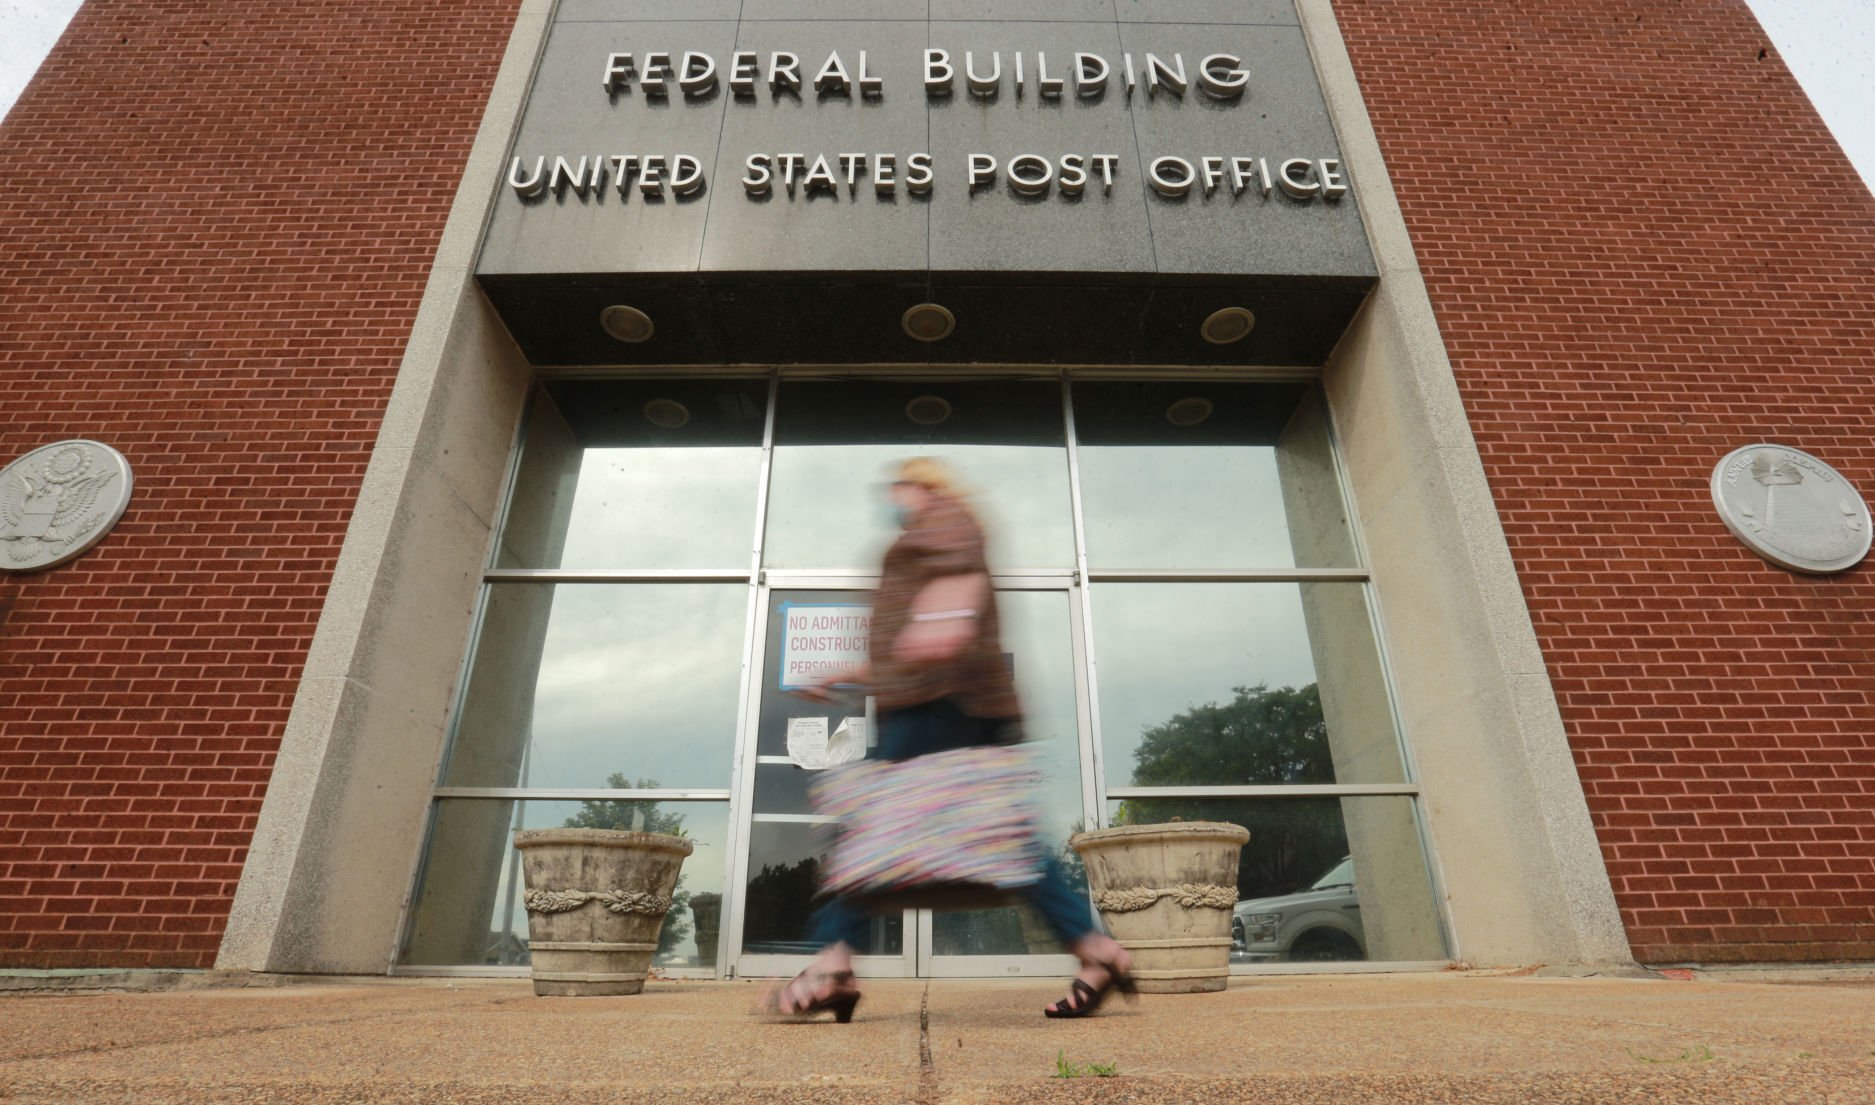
pixel 640 680
pixel 828 503
pixel 663 508
pixel 1216 506
pixel 1164 648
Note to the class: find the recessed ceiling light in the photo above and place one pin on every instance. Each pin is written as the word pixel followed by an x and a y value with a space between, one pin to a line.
pixel 1189 411
pixel 666 414
pixel 928 410
pixel 929 322
pixel 1228 325
pixel 627 324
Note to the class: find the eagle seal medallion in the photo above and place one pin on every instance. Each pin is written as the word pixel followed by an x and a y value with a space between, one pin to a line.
pixel 56 502
pixel 1791 508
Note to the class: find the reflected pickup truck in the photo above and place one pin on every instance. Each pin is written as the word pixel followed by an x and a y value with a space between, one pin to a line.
pixel 1319 924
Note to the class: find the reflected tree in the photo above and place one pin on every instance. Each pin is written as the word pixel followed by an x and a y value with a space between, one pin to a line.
pixel 1073 868
pixel 780 900
pixel 1261 737
pixel 642 816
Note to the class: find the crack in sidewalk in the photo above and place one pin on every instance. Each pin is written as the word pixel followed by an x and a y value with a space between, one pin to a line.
pixel 928 1093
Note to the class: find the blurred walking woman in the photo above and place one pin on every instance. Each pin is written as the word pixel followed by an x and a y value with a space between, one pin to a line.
pixel 940 681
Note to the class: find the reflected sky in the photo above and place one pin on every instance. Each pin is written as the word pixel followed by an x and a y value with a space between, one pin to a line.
pixel 1186 474
pixel 828 505
pixel 1213 506
pixel 1037 632
pixel 1163 648
pixel 638 679
pixel 664 508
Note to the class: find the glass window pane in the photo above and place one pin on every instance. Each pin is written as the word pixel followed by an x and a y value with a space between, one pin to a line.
pixel 835 443
pixel 468 908
pixel 602 684
pixel 1239 684
pixel 651 474
pixel 784 871
pixel 1321 879
pixel 1012 929
pixel 1208 475
pixel 1038 638
pixel 1037 634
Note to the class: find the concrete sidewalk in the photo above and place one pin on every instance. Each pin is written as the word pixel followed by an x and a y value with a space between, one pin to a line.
pixel 1453 1037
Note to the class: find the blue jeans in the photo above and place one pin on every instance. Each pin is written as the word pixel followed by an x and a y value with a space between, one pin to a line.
pixel 938 727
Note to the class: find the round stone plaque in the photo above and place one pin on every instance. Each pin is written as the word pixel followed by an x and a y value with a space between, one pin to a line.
pixel 58 501
pixel 1791 508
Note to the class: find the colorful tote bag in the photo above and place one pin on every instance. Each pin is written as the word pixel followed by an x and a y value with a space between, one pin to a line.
pixel 952 829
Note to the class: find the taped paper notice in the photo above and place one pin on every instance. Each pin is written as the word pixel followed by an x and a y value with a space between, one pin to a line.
pixel 848 743
pixel 821 643
pixel 807 742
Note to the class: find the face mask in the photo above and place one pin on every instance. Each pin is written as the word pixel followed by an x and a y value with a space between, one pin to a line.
pixel 892 515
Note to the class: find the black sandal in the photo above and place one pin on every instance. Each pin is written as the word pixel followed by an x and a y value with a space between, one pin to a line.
pixel 841 1003
pixel 1086 998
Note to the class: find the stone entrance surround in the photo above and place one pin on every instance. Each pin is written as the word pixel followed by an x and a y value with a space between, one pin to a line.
pixel 332 860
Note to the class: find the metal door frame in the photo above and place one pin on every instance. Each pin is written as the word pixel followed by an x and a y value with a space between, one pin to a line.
pixel 917 958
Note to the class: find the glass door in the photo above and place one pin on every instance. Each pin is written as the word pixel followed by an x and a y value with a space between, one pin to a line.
pixel 812 627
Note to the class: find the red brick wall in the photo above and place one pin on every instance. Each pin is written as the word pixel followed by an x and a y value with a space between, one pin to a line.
pixel 1643 247
pixel 1645 250
pixel 219 219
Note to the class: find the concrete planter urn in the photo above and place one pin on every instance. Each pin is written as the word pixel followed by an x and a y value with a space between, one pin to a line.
pixel 706 913
pixel 1166 893
pixel 596 899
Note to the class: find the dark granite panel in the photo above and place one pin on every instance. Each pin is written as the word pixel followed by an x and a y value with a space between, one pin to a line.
pixel 994 229
pixel 833 318
pixel 1028 323
pixel 570 114
pixel 869 10
pixel 1292 327
pixel 1206 11
pixel 655 11
pixel 1070 11
pixel 838 321
pixel 820 231
pixel 555 320
pixel 609 413
pixel 1282 116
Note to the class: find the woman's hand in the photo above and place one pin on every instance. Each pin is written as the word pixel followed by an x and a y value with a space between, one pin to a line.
pixel 835 687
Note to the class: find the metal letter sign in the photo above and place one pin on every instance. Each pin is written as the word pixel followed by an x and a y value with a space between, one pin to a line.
pixel 775 187
pixel 1221 77
pixel 58 501
pixel 1791 508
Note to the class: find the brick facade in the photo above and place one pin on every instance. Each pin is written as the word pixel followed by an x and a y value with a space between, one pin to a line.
pixel 1643 247
pixel 221 220
pixel 1644 250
